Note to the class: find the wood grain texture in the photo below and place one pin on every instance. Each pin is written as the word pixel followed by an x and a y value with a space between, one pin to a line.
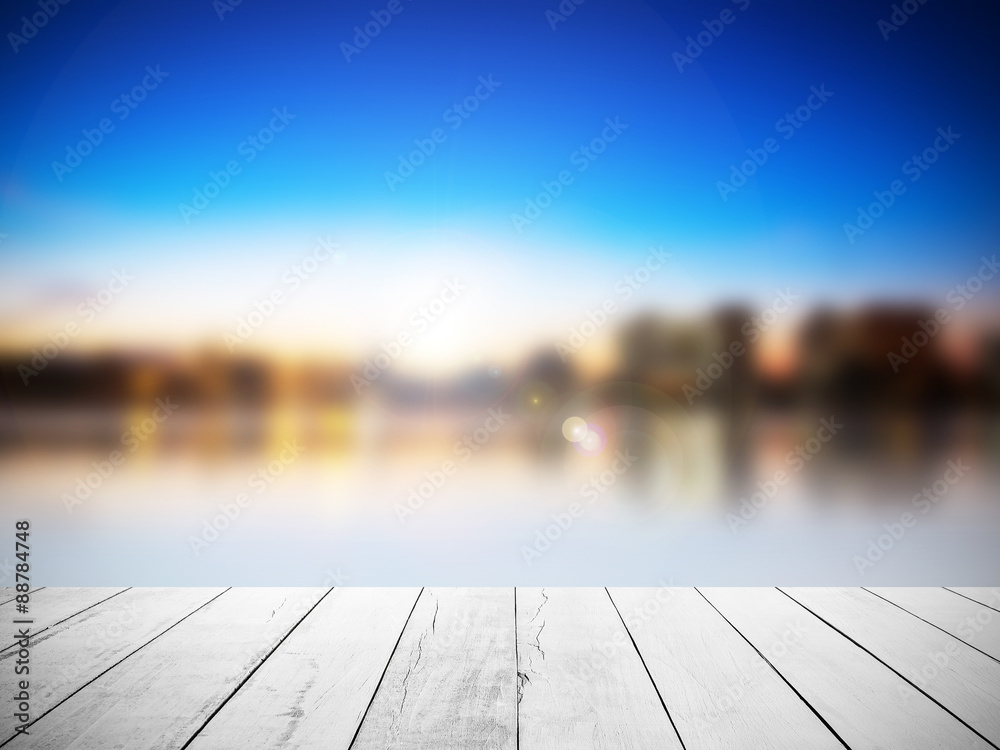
pixel 9 594
pixel 964 680
pixel 216 669
pixel 582 683
pixel 989 597
pixel 975 623
pixel 452 681
pixel 314 689
pixel 50 606
pixel 864 702
pixel 69 655
pixel 719 690
pixel 163 693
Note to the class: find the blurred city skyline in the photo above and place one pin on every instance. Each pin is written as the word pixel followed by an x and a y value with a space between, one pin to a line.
pixel 508 250
pixel 326 310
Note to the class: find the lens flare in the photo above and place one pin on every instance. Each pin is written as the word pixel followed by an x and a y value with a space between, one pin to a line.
pixel 575 429
pixel 593 443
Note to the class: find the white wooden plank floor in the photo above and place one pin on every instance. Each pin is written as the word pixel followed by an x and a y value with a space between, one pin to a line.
pixel 52 606
pixel 213 669
pixel 583 684
pixel 973 622
pixel 8 594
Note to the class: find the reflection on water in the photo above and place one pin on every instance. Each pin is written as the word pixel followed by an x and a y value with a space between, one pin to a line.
pixel 286 461
pixel 653 461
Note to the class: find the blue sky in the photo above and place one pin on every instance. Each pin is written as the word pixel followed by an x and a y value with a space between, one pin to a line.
pixel 657 183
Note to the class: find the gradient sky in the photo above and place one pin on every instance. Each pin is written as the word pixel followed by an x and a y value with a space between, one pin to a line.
pixel 324 174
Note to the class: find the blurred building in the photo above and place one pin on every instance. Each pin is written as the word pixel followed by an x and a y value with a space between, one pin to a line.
pixel 671 373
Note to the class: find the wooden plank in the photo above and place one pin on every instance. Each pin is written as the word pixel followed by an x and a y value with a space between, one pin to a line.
pixel 862 700
pixel 720 692
pixel 312 692
pixel 962 679
pixel 582 683
pixel 989 597
pixel 67 656
pixel 975 623
pixel 52 606
pixel 10 594
pixel 452 681
pixel 162 694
